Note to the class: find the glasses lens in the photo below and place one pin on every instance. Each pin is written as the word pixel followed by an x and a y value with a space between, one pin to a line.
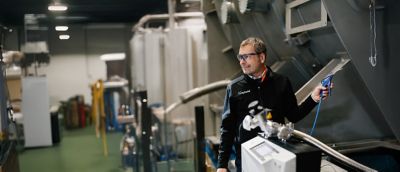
pixel 244 56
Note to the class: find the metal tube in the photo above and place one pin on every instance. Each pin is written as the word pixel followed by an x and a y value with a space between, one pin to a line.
pixel 171 12
pixel 197 92
pixel 331 151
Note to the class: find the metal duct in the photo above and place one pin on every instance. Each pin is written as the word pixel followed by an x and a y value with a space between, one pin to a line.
pixel 331 151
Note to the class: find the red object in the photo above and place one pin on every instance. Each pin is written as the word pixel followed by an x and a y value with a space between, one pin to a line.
pixel 81 112
pixel 82 115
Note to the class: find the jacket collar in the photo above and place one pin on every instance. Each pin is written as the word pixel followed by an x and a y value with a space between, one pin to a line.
pixel 268 76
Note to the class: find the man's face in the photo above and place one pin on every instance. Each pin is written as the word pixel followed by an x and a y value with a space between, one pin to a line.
pixel 253 64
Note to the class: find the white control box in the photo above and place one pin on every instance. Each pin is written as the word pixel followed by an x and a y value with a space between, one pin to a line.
pixel 259 154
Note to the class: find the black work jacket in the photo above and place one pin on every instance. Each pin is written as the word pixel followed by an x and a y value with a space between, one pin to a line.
pixel 274 93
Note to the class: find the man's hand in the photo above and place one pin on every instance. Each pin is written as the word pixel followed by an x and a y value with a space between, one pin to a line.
pixel 316 93
pixel 222 170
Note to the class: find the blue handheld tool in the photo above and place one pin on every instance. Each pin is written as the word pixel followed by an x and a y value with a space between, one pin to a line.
pixel 326 82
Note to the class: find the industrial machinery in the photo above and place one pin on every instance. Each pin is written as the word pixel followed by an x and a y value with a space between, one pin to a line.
pixel 275 150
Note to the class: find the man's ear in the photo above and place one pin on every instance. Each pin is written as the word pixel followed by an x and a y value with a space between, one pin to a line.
pixel 263 57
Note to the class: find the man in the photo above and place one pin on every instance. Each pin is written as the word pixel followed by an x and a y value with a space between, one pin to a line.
pixel 258 83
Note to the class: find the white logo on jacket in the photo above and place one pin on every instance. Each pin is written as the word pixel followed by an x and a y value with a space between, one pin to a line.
pixel 244 92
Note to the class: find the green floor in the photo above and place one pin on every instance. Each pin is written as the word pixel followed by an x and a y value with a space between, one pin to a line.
pixel 78 151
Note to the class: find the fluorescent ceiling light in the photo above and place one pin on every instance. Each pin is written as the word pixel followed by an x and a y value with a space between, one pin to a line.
pixel 63 37
pixel 57 7
pixel 61 28
pixel 112 56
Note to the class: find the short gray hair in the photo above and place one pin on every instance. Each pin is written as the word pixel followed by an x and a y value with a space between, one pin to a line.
pixel 257 43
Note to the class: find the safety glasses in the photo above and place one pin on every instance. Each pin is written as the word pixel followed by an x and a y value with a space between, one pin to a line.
pixel 245 56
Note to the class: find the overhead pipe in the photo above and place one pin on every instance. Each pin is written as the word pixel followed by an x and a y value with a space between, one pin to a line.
pixel 150 17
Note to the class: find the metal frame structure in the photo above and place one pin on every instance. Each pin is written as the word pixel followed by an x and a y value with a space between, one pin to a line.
pixel 289 30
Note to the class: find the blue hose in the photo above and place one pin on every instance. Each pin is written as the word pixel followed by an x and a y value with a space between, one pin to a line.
pixel 316 115
pixel 326 82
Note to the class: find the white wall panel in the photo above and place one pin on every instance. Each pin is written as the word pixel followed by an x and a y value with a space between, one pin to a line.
pixel 72 74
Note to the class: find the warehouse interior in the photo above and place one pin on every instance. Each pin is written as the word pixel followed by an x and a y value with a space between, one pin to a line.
pixel 139 85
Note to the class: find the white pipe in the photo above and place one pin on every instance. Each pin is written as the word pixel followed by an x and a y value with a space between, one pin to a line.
pixel 171 12
pixel 149 17
pixel 197 92
pixel 331 151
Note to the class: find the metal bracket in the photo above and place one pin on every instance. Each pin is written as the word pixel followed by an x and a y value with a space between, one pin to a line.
pixel 289 30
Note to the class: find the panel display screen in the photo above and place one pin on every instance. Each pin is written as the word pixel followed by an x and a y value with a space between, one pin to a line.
pixel 263 149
